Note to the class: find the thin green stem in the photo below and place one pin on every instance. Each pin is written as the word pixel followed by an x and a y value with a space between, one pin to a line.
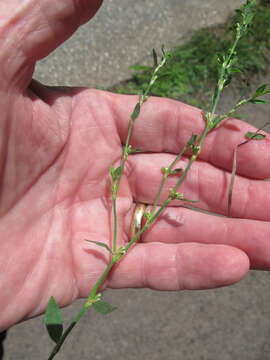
pixel 125 153
pixel 114 247
pixel 100 282
pixel 58 346
pixel 224 73
pixel 192 158
pixel 101 279
pixel 156 201
pixel 165 177
pixel 84 309
pixel 118 252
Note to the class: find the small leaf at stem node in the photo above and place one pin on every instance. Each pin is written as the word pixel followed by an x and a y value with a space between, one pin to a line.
pixel 101 244
pixel 176 195
pixel 103 307
pixel 115 172
pixel 254 136
pixel 192 139
pixel 53 320
pixel 136 111
pixel 155 58
pixel 148 216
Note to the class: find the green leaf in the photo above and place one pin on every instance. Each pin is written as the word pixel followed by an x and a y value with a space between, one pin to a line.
pixel 165 170
pixel 235 70
pixel 260 90
pixel 139 68
pixel 118 171
pixel 135 151
pixel 53 320
pixel 190 201
pixel 136 112
pixel 258 101
pixel 163 50
pixel 112 172
pixel 131 150
pixel 101 244
pixel 254 136
pixel 176 171
pixel 115 172
pixel 192 139
pixel 221 57
pixel 175 195
pixel 228 80
pixel 103 307
pixel 155 58
pixel 148 216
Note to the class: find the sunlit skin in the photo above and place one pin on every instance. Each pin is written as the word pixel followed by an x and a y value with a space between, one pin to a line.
pixel 56 148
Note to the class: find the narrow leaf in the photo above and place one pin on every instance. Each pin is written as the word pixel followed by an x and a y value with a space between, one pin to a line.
pixel 192 139
pixel 254 135
pixel 136 112
pixel 190 201
pixel 118 171
pixel 228 80
pixel 135 151
pixel 101 244
pixel 250 136
pixel 163 50
pixel 230 191
pixel 176 171
pixel 139 68
pixel 155 58
pixel 103 307
pixel 220 57
pixel 261 89
pixel 236 70
pixel 112 172
pixel 258 101
pixel 53 320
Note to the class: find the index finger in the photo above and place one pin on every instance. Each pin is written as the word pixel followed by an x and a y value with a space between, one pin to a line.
pixel 166 125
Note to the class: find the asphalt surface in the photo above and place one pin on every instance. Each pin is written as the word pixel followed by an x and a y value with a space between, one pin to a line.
pixel 223 324
pixel 124 32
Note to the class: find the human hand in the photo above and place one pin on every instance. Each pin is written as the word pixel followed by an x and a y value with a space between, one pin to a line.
pixel 56 148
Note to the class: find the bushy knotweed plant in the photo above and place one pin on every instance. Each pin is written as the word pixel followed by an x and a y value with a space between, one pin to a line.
pixel 227 67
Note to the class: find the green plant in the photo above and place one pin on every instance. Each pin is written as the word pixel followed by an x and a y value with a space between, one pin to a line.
pixel 228 66
pixel 192 70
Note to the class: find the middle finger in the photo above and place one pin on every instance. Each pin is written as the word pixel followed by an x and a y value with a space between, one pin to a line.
pixel 204 182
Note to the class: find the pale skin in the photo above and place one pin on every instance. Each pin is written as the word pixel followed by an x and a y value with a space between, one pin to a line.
pixel 56 147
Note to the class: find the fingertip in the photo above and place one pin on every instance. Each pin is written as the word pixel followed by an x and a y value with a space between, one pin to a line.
pixel 216 266
pixel 236 265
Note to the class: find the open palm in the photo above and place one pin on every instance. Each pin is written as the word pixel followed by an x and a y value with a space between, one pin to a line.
pixel 56 147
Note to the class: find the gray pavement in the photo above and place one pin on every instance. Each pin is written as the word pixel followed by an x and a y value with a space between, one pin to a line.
pixel 224 324
pixel 123 33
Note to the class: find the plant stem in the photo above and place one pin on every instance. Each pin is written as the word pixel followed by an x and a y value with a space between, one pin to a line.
pixel 114 247
pixel 126 151
pixel 58 346
pixel 224 73
pixel 165 176
pixel 211 122
pixel 84 308
pixel 117 254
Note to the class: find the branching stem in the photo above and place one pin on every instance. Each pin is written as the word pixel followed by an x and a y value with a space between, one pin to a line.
pixel 195 145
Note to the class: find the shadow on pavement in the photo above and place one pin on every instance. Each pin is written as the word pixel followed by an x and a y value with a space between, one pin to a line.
pixel 2 338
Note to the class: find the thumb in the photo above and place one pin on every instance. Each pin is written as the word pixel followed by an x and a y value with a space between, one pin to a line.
pixel 31 29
